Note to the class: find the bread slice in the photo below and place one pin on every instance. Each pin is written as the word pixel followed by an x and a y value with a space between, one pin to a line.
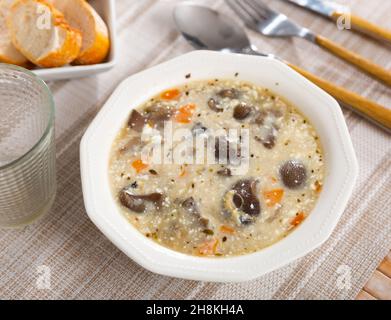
pixel 41 33
pixel 8 52
pixel 82 16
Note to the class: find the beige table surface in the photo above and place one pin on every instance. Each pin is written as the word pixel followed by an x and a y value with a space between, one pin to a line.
pixel 65 256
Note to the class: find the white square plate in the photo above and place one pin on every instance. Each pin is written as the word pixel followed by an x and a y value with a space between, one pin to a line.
pixel 106 9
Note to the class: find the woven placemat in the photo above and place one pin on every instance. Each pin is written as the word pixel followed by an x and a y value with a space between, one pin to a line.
pixel 65 256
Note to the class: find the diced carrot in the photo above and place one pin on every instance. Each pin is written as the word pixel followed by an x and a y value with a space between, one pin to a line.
pixel 273 197
pixel 171 94
pixel 318 186
pixel 208 248
pixel 139 166
pixel 298 219
pixel 185 113
pixel 227 229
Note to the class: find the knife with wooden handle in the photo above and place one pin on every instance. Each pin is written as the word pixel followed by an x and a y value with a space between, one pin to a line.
pixel 335 11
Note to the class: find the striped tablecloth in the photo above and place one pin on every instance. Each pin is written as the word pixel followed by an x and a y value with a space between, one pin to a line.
pixel 65 256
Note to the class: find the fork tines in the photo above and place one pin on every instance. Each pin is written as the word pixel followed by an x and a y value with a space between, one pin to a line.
pixel 251 12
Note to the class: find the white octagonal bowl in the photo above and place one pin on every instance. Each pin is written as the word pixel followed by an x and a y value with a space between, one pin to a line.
pixel 320 108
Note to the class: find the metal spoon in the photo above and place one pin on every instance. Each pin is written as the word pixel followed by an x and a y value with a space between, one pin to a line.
pixel 205 28
pixel 208 29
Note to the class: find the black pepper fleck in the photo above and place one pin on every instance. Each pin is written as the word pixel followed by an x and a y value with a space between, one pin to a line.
pixel 134 185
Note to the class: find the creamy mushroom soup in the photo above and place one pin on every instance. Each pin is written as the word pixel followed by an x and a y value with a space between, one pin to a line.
pixel 221 207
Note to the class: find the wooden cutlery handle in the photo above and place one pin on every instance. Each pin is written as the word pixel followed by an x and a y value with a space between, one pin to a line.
pixel 364 26
pixel 364 106
pixel 355 59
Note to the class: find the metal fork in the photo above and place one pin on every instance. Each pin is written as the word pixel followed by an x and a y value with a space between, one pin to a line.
pixel 260 18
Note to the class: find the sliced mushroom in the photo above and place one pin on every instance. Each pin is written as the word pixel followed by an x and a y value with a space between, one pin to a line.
pixel 191 207
pixel 293 174
pixel 268 126
pixel 241 202
pixel 269 118
pixel 229 93
pixel 214 106
pixel 138 203
pixel 247 190
pixel 268 140
pixel 137 121
pixel 157 114
pixel 226 172
pixel 242 111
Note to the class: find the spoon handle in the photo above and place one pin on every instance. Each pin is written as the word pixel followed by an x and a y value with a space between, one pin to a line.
pixel 368 108
pixel 360 62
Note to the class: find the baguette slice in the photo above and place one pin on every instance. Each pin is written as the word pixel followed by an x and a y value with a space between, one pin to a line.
pixel 41 33
pixel 8 52
pixel 82 16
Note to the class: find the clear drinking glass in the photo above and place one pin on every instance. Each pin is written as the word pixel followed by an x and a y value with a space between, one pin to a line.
pixel 27 149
